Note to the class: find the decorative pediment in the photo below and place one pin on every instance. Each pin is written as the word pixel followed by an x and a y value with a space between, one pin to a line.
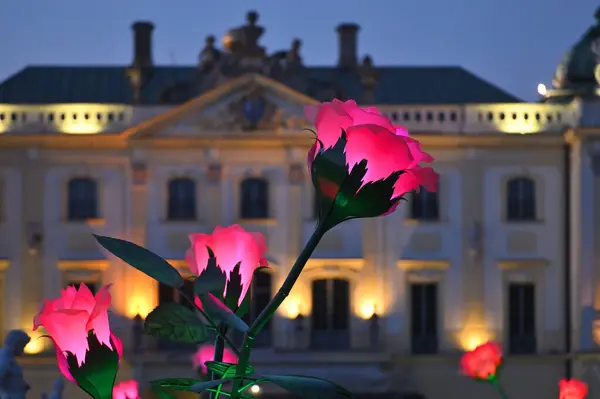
pixel 252 103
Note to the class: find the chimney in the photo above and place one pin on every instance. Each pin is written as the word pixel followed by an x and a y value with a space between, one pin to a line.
pixel 142 44
pixel 348 37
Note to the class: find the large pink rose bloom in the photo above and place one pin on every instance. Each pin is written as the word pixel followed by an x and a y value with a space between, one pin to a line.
pixel 69 318
pixel 371 136
pixel 206 353
pixel 230 246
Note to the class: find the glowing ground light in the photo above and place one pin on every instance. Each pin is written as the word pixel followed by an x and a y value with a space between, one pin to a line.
pixel 255 389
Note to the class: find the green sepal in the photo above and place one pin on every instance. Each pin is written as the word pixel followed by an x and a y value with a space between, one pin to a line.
pixel 339 190
pixel 96 376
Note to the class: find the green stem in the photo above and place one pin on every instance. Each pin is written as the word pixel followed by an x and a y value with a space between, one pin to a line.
pixel 219 351
pixel 500 390
pixel 269 311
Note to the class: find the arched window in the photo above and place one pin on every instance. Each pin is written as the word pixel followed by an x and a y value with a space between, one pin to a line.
pixel 255 198
pixel 520 203
pixel 181 204
pixel 167 294
pixel 261 295
pixel 330 327
pixel 425 205
pixel 82 202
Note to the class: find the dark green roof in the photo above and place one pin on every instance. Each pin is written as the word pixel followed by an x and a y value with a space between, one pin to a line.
pixel 109 85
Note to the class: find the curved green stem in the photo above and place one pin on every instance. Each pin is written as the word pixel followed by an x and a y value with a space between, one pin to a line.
pixel 219 350
pixel 500 390
pixel 269 311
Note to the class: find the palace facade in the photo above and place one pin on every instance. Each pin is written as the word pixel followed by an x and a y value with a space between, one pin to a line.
pixel 508 249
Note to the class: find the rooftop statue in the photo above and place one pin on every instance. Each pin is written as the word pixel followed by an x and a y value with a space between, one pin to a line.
pixel 12 384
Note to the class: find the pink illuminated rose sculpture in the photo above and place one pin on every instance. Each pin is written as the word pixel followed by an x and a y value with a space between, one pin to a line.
pixel 126 390
pixel 206 353
pixel 77 323
pixel 230 252
pixel 361 164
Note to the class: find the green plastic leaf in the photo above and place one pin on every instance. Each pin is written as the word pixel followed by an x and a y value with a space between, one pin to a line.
pixel 308 387
pixel 142 259
pixel 203 386
pixel 212 280
pixel 227 370
pixel 177 323
pixel 176 384
pixel 217 310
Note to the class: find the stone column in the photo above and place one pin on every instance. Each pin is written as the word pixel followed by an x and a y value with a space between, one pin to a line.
pixel 473 250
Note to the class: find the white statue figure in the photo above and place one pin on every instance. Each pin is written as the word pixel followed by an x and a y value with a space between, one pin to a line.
pixel 12 384
pixel 57 390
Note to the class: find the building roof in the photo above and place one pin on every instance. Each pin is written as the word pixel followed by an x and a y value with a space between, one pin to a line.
pixel 110 85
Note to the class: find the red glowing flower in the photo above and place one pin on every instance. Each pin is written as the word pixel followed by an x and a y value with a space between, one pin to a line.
pixel 482 362
pixel 206 353
pixel 126 390
pixel 361 164
pixel 233 248
pixel 572 389
pixel 77 323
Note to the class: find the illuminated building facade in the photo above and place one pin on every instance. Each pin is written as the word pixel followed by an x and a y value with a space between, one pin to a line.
pixel 506 250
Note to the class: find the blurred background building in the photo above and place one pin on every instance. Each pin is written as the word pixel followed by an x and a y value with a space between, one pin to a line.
pixel 506 250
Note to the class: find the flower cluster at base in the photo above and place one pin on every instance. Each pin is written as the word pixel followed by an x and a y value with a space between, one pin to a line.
pixel 361 166
pixel 87 352
pixel 485 362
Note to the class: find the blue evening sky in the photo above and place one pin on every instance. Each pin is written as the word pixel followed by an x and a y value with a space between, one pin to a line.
pixel 515 44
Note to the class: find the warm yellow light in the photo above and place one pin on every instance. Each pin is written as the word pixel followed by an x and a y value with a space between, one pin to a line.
pixel 255 389
pixel 472 337
pixel 291 308
pixel 367 310
pixel 542 90
pixel 138 304
pixel 81 128
pixel 35 346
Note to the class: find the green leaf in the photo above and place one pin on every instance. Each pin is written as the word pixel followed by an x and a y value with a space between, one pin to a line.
pixel 203 386
pixel 142 259
pixel 219 311
pixel 309 387
pixel 176 384
pixel 175 322
pixel 227 370
pixel 212 280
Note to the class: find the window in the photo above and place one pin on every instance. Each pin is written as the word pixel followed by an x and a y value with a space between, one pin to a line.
pixel 92 286
pixel 425 205
pixel 82 202
pixel 261 295
pixel 255 199
pixel 181 204
pixel 167 294
pixel 521 318
pixel 330 314
pixel 520 204
pixel 424 318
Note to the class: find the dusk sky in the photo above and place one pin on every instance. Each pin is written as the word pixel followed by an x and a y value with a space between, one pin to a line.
pixel 515 44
